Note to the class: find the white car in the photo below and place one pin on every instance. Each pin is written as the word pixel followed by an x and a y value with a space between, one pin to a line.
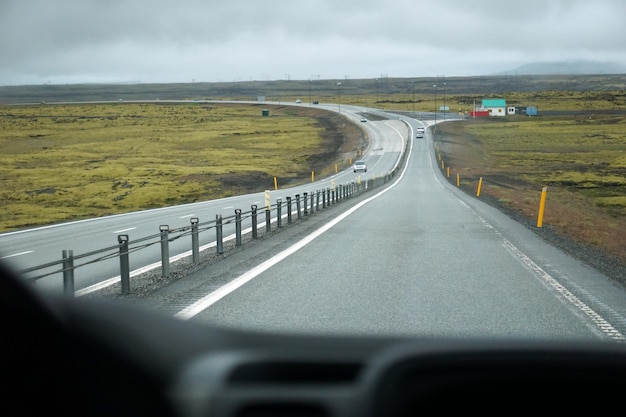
pixel 359 166
pixel 298 101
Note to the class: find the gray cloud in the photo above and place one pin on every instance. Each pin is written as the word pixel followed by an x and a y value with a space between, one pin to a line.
pixel 69 41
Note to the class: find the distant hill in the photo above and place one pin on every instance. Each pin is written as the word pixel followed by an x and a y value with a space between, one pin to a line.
pixel 321 90
pixel 568 67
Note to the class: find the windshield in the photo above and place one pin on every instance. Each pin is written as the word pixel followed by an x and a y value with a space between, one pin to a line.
pixel 199 160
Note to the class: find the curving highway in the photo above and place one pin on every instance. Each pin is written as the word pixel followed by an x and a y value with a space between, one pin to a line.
pixel 418 257
pixel 38 246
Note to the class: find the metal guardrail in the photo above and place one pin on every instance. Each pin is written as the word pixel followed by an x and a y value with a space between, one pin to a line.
pixel 305 205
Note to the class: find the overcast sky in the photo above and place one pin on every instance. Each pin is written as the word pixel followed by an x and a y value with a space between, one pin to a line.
pixel 73 41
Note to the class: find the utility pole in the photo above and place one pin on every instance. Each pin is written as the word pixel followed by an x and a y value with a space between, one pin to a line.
pixel 435 86
pixel 339 96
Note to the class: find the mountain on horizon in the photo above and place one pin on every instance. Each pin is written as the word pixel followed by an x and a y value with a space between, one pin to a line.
pixel 568 67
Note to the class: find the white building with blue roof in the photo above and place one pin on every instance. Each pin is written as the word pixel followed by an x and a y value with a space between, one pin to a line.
pixel 495 106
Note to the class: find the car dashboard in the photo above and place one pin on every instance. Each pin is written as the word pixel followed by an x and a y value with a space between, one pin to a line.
pixel 95 357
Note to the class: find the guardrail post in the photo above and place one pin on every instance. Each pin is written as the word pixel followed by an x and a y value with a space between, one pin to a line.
pixel 324 198
pixel 253 211
pixel 289 210
pixel 268 220
pixel 317 199
pixel 219 239
pixel 305 201
pixel 124 264
pixel 195 242
pixel 279 213
pixel 165 250
pixel 298 206
pixel 68 272
pixel 237 227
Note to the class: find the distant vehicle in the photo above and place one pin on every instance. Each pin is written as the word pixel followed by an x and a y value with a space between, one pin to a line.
pixel 419 135
pixel 298 101
pixel 421 129
pixel 316 102
pixel 363 119
pixel 360 166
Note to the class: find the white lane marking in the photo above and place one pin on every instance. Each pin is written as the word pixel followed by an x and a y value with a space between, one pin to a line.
pixel 147 268
pixel 187 216
pixel 113 280
pixel 597 323
pixel 16 254
pixel 402 139
pixel 558 290
pixel 124 230
pixel 227 207
pixel 213 297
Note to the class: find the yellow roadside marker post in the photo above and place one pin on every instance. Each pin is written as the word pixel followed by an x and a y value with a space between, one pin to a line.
pixel 542 205
pixel 480 184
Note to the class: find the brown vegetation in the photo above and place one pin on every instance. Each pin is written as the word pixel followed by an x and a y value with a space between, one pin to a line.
pixel 587 211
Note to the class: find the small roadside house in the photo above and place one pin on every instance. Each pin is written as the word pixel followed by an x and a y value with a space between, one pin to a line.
pixel 495 106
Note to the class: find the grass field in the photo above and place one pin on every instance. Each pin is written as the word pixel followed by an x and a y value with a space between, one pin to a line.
pixel 581 161
pixel 65 162
pixel 68 162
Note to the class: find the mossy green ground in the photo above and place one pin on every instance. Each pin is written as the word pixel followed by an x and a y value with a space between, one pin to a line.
pixel 66 162
pixel 580 159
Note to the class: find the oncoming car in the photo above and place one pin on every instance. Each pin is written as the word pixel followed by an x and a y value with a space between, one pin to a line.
pixel 359 166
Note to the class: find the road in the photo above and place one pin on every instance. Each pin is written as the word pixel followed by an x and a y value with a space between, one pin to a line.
pixel 38 246
pixel 417 258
